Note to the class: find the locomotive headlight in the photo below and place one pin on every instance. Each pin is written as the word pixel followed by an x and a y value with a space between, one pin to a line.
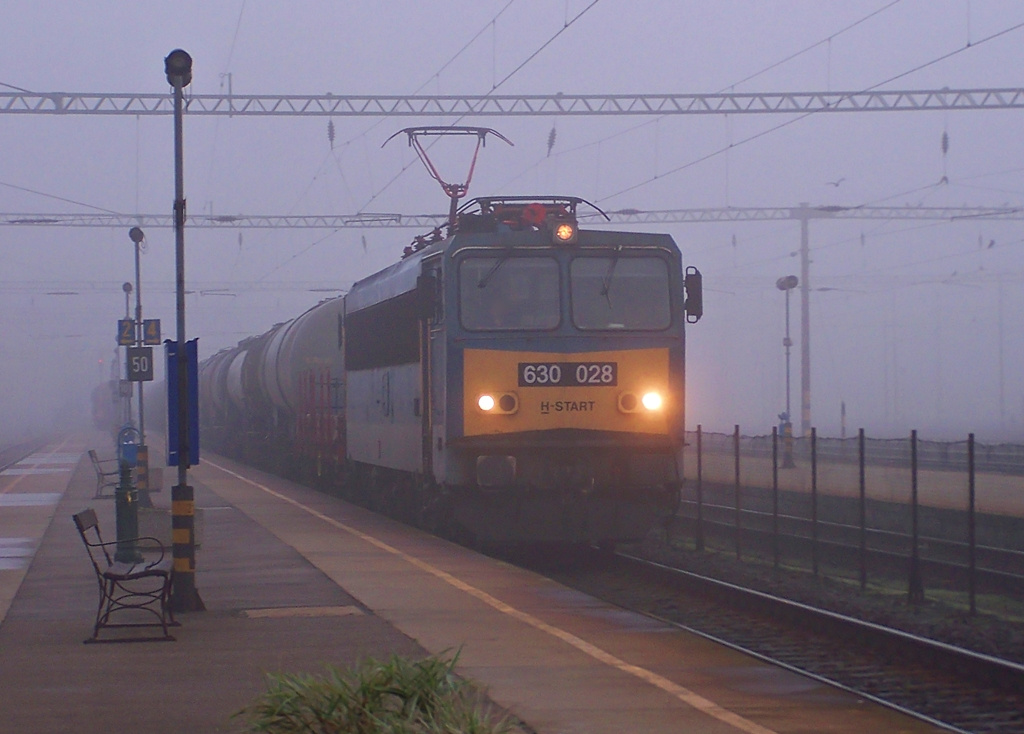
pixel 652 400
pixel 649 402
pixel 504 403
pixel 564 234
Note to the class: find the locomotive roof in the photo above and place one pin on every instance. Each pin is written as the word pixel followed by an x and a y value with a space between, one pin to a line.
pixel 392 281
pixel 502 224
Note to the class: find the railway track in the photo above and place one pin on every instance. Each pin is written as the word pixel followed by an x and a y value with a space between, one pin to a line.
pixel 998 570
pixel 960 690
pixel 12 454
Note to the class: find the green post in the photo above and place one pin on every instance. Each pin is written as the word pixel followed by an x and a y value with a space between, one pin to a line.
pixel 126 500
pixel 126 506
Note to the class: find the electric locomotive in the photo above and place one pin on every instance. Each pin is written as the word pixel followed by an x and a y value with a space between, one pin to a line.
pixel 522 378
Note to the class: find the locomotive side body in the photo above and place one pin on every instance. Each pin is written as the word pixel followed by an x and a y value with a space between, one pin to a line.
pixel 383 374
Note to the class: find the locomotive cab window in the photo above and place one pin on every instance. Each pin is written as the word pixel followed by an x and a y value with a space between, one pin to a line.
pixel 509 293
pixel 620 293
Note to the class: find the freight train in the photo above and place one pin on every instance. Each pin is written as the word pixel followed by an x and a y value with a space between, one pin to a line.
pixel 519 379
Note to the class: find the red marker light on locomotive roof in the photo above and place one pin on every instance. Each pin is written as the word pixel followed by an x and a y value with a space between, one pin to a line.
pixel 564 234
pixel 535 213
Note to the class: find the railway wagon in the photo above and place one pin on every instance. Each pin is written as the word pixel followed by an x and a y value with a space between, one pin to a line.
pixel 520 380
pixel 104 406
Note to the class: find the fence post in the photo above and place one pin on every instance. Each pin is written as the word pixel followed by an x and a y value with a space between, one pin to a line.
pixel 915 592
pixel 971 540
pixel 863 514
pixel 775 496
pixel 700 493
pixel 736 456
pixel 814 500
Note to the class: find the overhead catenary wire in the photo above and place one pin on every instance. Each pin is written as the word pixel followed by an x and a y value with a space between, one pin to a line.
pixel 804 116
pixel 733 85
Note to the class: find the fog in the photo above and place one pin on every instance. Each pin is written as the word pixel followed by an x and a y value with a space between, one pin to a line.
pixel 914 324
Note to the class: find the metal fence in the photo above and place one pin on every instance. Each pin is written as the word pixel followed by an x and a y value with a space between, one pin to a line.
pixel 938 516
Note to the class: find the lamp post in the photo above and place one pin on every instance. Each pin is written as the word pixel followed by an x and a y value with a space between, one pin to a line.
pixel 786 284
pixel 184 595
pixel 136 235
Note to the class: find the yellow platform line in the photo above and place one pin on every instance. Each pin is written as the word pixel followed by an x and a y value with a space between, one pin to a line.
pixel 682 693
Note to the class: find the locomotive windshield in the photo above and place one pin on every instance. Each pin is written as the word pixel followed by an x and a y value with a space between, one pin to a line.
pixel 620 292
pixel 509 293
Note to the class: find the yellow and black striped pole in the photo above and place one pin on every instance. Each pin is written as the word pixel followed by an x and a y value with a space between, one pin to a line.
pixel 184 594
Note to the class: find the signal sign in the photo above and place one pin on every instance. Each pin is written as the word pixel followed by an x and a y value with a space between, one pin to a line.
pixel 125 332
pixel 140 364
pixel 151 332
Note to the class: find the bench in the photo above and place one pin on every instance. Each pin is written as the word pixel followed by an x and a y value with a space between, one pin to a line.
pixel 104 477
pixel 127 589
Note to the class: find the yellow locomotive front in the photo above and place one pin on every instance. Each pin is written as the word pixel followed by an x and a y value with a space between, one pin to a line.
pixel 564 379
pixel 625 390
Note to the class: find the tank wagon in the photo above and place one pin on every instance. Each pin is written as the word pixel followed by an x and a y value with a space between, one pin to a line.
pixel 520 380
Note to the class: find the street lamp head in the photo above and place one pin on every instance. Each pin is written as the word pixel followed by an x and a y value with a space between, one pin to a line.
pixel 787 283
pixel 136 235
pixel 178 67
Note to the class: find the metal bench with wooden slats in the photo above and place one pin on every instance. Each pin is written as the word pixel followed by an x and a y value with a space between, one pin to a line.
pixel 104 477
pixel 130 590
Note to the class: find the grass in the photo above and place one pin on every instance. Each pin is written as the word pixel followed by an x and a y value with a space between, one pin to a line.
pixel 398 696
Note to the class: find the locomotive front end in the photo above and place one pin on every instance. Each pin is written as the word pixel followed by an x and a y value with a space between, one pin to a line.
pixel 565 382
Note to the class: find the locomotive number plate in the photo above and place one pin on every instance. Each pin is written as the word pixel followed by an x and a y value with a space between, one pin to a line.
pixel 568 374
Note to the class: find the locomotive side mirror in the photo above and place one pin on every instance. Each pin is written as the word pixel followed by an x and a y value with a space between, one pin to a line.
pixel 426 295
pixel 693 285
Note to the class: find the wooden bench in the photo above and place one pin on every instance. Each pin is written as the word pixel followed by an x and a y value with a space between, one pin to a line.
pixel 128 589
pixel 104 477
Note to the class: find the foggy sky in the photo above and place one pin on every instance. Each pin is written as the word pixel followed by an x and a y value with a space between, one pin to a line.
pixel 918 325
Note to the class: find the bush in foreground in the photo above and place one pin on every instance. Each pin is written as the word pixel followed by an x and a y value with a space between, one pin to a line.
pixel 396 697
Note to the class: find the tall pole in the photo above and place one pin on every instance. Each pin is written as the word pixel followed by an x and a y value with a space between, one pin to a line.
pixel 142 460
pixel 805 323
pixel 786 284
pixel 184 595
pixel 788 344
pixel 138 327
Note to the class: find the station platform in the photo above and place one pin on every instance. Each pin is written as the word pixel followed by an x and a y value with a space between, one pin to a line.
pixel 294 580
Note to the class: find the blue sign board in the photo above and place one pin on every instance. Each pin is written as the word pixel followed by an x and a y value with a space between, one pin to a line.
pixel 192 403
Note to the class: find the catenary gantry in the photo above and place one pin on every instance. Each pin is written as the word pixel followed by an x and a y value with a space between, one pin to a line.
pixel 509 105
